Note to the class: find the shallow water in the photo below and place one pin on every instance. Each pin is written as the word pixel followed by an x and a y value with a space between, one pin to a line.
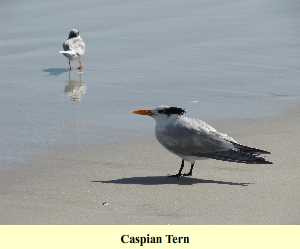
pixel 218 59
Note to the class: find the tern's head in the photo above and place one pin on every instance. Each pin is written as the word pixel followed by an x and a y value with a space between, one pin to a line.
pixel 162 112
pixel 73 33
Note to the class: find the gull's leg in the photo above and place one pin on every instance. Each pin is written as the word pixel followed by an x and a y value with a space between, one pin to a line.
pixel 180 170
pixel 70 68
pixel 80 65
pixel 191 170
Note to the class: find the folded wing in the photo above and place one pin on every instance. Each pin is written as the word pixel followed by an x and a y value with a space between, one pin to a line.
pixel 74 47
pixel 195 138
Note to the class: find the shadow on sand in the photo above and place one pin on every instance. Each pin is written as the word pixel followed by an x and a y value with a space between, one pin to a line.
pixel 55 71
pixel 160 180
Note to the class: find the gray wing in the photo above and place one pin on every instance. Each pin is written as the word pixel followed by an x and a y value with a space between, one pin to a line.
pixel 207 142
pixel 188 141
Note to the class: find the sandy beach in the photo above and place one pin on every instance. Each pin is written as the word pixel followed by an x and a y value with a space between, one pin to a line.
pixel 128 183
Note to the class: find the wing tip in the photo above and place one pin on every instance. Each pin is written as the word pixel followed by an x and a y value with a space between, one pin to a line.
pixel 251 150
pixel 239 157
pixel 266 162
pixel 265 152
pixel 259 160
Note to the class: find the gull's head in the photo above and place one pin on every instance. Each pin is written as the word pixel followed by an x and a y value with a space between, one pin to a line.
pixel 162 112
pixel 73 33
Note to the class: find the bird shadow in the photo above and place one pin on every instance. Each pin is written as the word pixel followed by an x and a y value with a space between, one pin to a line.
pixel 55 71
pixel 161 180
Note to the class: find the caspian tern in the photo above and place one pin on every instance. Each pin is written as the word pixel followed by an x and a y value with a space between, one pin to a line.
pixel 193 139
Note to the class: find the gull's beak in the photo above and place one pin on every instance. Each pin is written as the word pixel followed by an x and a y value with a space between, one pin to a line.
pixel 143 112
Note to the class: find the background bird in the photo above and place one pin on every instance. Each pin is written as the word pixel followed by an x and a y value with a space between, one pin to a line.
pixel 193 139
pixel 74 48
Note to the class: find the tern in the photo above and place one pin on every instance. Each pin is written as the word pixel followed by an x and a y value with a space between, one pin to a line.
pixel 74 48
pixel 193 139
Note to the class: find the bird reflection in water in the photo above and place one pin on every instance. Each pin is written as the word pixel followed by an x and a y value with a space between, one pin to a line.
pixel 75 89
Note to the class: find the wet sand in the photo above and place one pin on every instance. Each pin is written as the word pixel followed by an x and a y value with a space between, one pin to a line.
pixel 128 183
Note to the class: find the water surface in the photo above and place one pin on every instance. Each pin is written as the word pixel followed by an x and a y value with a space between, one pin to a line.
pixel 218 59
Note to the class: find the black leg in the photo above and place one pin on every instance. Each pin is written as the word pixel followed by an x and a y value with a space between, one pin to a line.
pixel 180 170
pixel 70 65
pixel 191 170
pixel 80 65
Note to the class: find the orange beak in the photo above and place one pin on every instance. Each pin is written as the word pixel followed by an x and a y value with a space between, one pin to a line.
pixel 143 112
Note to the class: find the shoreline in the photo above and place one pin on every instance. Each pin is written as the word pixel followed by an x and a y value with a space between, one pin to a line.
pixel 127 183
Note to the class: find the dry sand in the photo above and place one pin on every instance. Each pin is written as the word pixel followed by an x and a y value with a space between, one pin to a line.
pixel 127 183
